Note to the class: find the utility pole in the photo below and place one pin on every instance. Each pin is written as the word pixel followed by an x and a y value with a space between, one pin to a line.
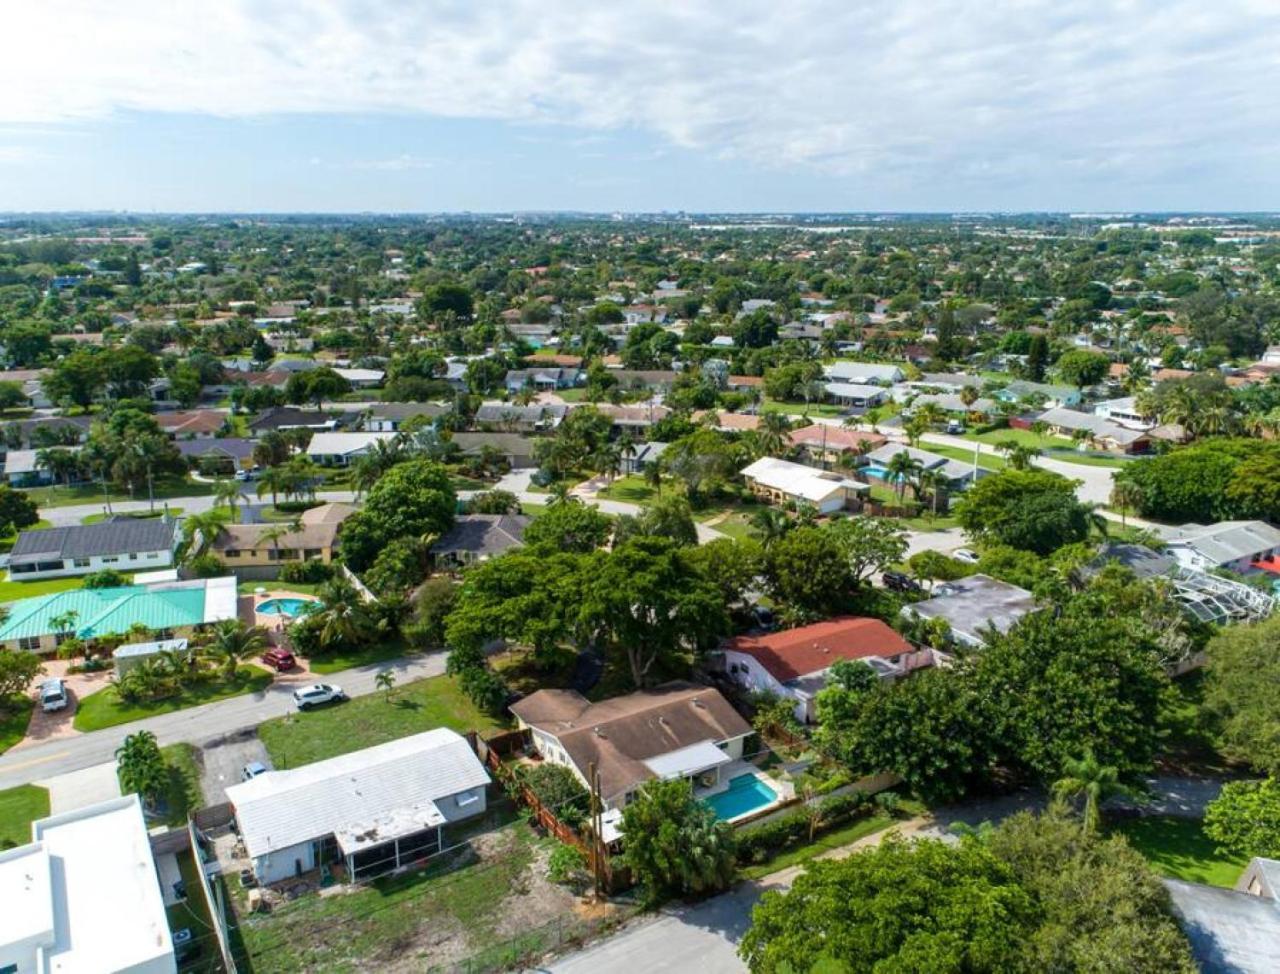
pixel 597 845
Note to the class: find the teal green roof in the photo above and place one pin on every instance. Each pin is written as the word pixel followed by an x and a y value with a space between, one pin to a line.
pixel 103 611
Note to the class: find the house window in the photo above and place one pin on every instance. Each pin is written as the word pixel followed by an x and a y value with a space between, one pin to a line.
pixel 81 563
pixel 233 552
pixel 133 556
pixel 61 637
pixel 467 798
pixel 110 559
pixel 311 553
pixel 29 643
pixel 288 554
pixel 153 554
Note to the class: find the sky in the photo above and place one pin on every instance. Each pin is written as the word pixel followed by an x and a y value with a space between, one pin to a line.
pixel 696 105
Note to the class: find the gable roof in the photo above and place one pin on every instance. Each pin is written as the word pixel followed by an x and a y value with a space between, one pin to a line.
pixel 191 421
pixel 797 480
pixel 622 733
pixel 1227 540
pixel 122 535
pixel 795 653
pixel 355 792
pixel 834 438
pixel 483 534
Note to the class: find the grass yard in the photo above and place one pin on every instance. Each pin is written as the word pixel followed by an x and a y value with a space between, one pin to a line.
pixel 62 496
pixel 182 793
pixel 461 482
pixel 106 709
pixel 985 461
pixel 427 919
pixel 369 720
pixel 193 914
pixel 14 718
pixel 302 588
pixel 801 409
pixel 140 515
pixel 1191 740
pixel 377 653
pixel 12 591
pixel 1178 847
pixel 572 395
pixel 632 488
pixel 735 526
pixel 1019 436
pixel 19 807
pixel 532 510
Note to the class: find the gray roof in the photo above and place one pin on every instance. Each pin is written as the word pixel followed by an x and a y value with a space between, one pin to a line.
pixel 970 605
pixel 236 446
pixel 284 416
pixel 483 534
pixel 1230 932
pixel 1141 560
pixel 507 443
pixel 1097 426
pixel 951 379
pixel 508 412
pixel 407 410
pixel 951 469
pixel 119 536
pixel 1228 541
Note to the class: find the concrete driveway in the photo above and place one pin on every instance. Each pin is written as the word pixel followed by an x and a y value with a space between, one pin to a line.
pixel 223 758
pixel 77 789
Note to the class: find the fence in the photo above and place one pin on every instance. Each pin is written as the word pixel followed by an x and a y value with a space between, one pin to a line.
pixel 213 817
pixel 360 586
pixel 214 897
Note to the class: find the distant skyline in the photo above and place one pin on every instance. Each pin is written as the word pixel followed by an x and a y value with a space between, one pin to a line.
pixel 434 105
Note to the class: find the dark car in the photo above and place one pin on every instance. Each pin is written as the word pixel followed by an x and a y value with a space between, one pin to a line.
pixel 900 582
pixel 279 659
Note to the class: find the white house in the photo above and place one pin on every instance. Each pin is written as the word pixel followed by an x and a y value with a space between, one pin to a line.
pixel 863 372
pixel 855 394
pixel 677 730
pixel 84 896
pixel 341 449
pixel 1234 545
pixel 374 811
pixel 1122 411
pixel 794 663
pixel 782 481
pixel 362 378
pixel 125 544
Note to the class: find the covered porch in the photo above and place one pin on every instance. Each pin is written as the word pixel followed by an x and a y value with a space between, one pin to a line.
pixel 391 843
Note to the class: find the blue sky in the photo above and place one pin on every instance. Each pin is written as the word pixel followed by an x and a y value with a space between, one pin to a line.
pixel 349 105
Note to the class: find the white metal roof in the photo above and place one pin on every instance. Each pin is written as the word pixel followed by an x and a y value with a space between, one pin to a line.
pixel 279 809
pixel 342 444
pixel 687 760
pixel 1227 541
pixel 148 649
pixel 797 480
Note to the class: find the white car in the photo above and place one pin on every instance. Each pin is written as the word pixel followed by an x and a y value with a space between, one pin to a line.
pixel 317 694
pixel 53 695
pixel 966 555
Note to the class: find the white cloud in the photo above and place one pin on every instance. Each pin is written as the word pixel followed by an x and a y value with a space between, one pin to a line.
pixel 880 90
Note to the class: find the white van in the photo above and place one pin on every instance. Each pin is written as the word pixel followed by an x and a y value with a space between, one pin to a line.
pixel 53 695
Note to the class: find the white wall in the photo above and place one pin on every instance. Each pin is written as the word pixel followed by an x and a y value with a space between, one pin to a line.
pixel 133 562
pixel 277 866
pixel 756 677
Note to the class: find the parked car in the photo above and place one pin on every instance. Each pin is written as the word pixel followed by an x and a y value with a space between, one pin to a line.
pixel 900 582
pixel 279 659
pixel 763 616
pixel 966 555
pixel 317 694
pixel 252 770
pixel 954 426
pixel 246 475
pixel 53 695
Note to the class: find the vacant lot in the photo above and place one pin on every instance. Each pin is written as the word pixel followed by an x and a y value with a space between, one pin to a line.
pixel 1178 847
pixel 468 902
pixel 106 709
pixel 366 721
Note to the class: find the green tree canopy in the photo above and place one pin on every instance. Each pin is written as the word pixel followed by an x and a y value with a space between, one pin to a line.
pixel 1034 510
pixel 675 845
pixel 412 499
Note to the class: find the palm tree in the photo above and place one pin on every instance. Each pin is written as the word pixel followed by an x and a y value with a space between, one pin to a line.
pixel 385 681
pixel 60 462
pixel 608 460
pixel 772 433
pixel 233 641
pixel 142 768
pixel 902 468
pixel 272 481
pixel 274 533
pixel 1019 454
pixel 653 475
pixel 558 494
pixel 345 624
pixel 205 526
pixel 1126 496
pixel 365 473
pixel 226 493
pixel 1095 781
pixel 771 524
pixel 934 482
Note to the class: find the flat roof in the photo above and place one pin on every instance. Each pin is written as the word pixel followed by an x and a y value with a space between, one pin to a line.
pixel 26 891
pixel 971 604
pixel 108 911
pixel 687 760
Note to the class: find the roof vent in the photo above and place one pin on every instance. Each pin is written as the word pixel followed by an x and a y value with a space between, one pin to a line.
pixel 699 704
pixel 598 732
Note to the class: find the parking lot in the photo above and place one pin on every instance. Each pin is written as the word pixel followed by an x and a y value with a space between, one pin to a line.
pixel 225 758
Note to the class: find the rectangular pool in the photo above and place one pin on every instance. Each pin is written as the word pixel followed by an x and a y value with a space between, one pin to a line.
pixel 746 793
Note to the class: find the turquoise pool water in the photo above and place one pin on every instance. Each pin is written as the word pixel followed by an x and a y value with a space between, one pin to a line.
pixel 287 607
pixel 875 470
pixel 746 794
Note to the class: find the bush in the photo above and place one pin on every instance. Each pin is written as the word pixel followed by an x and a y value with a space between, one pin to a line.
pixel 559 789
pixel 566 864
pixel 762 842
pixel 206 566
pixel 306 572
pixel 296 507
pixel 485 688
pixel 107 578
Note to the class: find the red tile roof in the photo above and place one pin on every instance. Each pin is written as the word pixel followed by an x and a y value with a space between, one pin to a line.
pixel 835 438
pixel 810 649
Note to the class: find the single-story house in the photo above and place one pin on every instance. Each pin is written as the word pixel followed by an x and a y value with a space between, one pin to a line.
pixel 1098 430
pixel 1235 545
pixel 389 417
pixel 676 730
pixel 128 656
pixel 958 475
pixel 227 455
pixel 655 380
pixel 645 455
pixel 511 417
pixel 478 537
pixel 249 546
pixel 341 449
pixel 855 394
pixel 1232 931
pixel 290 418
pixel 794 663
pixel 972 606
pixel 123 543
pixel 782 481
pixel 950 402
pixel 1053 395
pixel 826 444
pixel 951 381
pixel 1123 411
pixel 193 424
pixel 868 373
pixel 22 468
pixel 633 417
pixel 515 449
pixel 84 895
pixel 374 811
pixel 166 609
pixel 546 379
pixel 362 378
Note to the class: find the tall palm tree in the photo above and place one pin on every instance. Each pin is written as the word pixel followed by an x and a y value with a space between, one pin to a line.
pixel 935 483
pixel 1095 781
pixel 200 531
pixel 902 469
pixel 274 533
pixel 771 524
pixel 1018 454
pixel 141 767
pixel 233 641
pixel 1126 496
pixel 226 493
pixel 60 462
pixel 272 481
pixel 772 433
pixel 608 460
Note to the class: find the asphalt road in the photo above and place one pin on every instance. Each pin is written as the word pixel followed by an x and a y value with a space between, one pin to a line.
pixel 196 724
pixel 75 513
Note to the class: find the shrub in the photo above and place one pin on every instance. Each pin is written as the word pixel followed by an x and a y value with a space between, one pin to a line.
pixel 206 566
pixel 107 578
pixel 485 688
pixel 559 789
pixel 566 864
pixel 296 507
pixel 306 572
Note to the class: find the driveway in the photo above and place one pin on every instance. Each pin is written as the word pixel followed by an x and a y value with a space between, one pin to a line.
pixel 57 725
pixel 224 758
pixel 77 789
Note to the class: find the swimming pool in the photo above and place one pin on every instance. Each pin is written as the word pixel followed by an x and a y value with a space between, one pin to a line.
pixel 875 470
pixel 746 793
pixel 288 607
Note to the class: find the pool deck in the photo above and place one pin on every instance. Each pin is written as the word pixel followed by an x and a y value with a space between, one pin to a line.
pixel 273 623
pixel 785 790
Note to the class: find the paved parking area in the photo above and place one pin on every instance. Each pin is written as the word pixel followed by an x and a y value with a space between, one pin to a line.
pixel 223 760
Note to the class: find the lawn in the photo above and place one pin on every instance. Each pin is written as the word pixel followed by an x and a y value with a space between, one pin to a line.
pixel 140 515
pixel 398 920
pixel 735 526
pixel 985 460
pixel 633 489
pixel 19 807
pixel 182 792
pixel 105 708
pixel 801 409
pixel 376 653
pixel 1178 847
pixel 532 510
pixel 1191 740
pixel 12 591
pixel 1021 437
pixel 369 720
pixel 193 914
pixel 302 588
pixel 62 496
pixel 14 718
